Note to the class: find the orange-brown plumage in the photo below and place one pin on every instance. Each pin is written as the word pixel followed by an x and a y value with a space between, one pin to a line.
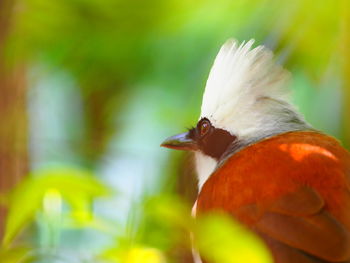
pixel 295 175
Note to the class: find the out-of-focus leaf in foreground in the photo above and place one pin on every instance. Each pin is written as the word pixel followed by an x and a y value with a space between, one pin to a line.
pixel 15 255
pixel 217 237
pixel 220 240
pixel 170 210
pixel 144 255
pixel 135 254
pixel 43 189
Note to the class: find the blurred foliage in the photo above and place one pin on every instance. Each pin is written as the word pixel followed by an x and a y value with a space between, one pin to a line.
pixel 215 236
pixel 218 239
pixel 44 190
pixel 133 73
pixel 14 255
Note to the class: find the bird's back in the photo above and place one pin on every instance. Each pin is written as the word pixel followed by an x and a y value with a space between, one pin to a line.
pixel 293 190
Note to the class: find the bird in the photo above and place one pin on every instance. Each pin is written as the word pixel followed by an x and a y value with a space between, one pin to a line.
pixel 260 162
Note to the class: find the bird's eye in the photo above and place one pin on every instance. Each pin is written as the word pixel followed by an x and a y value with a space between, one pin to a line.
pixel 204 127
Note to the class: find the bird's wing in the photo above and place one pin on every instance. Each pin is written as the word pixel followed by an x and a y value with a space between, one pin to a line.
pixel 299 221
pixel 298 229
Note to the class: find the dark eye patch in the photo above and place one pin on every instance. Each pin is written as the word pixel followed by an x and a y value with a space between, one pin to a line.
pixel 216 143
pixel 211 141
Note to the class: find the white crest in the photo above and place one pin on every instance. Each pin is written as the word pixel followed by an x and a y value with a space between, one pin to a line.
pixel 246 93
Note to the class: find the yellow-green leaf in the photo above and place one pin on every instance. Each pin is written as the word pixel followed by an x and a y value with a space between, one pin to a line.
pixel 221 240
pixel 76 185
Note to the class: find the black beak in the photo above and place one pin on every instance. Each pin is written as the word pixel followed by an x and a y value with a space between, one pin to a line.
pixel 180 142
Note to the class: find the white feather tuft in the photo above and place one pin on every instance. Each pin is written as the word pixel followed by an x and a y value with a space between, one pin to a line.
pixel 246 92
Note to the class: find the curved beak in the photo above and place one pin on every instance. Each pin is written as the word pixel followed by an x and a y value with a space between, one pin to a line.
pixel 180 142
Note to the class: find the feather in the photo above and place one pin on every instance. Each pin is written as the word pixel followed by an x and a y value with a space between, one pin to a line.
pixel 246 93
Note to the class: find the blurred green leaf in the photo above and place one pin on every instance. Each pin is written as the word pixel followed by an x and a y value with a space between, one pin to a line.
pixel 84 220
pixel 165 222
pixel 76 185
pixel 144 255
pixel 170 209
pixel 135 254
pixel 221 240
pixel 15 255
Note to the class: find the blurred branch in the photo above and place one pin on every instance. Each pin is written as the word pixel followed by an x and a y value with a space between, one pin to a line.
pixel 99 119
pixel 13 149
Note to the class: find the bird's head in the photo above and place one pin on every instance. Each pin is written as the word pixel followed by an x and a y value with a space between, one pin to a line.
pixel 205 138
pixel 245 100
